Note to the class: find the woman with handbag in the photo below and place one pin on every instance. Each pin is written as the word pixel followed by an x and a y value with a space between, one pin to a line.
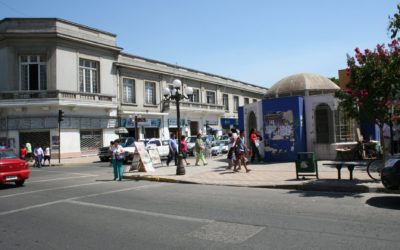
pixel 199 148
pixel 117 158
pixel 254 144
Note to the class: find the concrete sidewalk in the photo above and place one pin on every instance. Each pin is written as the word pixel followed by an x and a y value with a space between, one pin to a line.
pixel 267 175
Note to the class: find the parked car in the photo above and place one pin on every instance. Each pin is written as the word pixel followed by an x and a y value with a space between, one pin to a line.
pixel 128 143
pixel 209 140
pixel 223 137
pixel 190 142
pixel 162 147
pixel 390 174
pixel 12 169
pixel 221 147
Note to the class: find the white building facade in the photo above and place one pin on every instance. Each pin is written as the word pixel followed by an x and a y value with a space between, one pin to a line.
pixel 50 64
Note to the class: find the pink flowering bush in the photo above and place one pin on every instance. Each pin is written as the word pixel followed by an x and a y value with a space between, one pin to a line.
pixel 374 82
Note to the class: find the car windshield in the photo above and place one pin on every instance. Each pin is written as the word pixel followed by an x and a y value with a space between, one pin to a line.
pixel 155 142
pixel 191 139
pixel 7 154
pixel 126 142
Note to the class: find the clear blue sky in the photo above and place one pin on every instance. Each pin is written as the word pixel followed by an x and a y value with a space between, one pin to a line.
pixel 255 41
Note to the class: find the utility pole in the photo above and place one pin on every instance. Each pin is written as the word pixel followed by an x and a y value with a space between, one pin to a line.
pixel 60 119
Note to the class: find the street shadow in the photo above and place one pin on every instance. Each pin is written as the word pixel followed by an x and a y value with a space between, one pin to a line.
pixel 333 188
pixel 228 172
pixel 107 180
pixel 388 202
pixel 8 186
pixel 327 194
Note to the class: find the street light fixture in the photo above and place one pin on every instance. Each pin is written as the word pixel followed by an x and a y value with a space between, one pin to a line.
pixel 176 94
pixel 137 118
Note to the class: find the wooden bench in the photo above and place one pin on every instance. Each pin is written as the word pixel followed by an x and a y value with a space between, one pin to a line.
pixel 349 164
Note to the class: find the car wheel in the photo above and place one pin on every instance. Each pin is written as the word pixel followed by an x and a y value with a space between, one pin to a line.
pixel 103 159
pixel 19 183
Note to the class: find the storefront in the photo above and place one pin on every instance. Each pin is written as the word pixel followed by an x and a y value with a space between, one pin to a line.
pixel 228 123
pixel 147 127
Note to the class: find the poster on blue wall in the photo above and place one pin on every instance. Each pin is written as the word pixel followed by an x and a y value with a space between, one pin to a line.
pixel 283 128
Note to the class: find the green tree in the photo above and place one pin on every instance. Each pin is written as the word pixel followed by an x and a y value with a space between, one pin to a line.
pixel 335 80
pixel 394 24
pixel 374 84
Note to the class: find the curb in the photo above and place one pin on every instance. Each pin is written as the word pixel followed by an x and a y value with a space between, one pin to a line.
pixel 300 187
pixel 158 179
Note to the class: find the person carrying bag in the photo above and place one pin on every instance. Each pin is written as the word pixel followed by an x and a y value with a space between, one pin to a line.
pixel 118 156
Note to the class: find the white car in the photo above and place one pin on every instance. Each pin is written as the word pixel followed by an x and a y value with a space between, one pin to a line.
pixel 221 147
pixel 190 142
pixel 162 147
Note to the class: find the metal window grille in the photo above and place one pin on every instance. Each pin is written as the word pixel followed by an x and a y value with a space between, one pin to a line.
pixel 91 141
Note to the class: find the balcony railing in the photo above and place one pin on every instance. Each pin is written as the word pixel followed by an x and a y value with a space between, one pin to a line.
pixel 56 94
pixel 199 106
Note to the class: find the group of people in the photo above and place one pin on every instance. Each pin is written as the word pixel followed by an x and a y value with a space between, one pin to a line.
pixel 39 154
pixel 238 150
pixel 173 150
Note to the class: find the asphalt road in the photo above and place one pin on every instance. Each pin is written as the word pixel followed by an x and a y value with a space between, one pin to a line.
pixel 81 208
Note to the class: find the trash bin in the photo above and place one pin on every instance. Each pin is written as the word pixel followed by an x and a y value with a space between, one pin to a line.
pixel 306 165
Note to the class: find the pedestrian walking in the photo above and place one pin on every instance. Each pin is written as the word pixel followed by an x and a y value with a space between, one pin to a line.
pixel 38 153
pixel 28 151
pixel 22 153
pixel 184 149
pixel 173 150
pixel 47 155
pixel 118 157
pixel 254 144
pixel 231 149
pixel 199 148
pixel 240 153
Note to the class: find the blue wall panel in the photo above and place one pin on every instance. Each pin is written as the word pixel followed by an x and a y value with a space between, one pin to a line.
pixel 284 129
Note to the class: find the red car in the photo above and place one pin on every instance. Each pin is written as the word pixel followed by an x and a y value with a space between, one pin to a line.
pixel 12 169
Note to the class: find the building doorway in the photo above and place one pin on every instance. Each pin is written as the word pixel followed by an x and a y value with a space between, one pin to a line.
pixel 252 122
pixel 194 128
pixel 323 123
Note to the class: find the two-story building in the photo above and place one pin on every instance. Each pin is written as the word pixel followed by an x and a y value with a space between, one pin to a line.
pixel 50 64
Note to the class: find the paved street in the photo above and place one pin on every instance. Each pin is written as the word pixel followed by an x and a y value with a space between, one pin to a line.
pixel 79 207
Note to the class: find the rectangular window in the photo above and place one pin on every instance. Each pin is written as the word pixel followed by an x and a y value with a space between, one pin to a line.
pixel 150 93
pixel 129 93
pixel 235 103
pixel 33 72
pixel 88 76
pixel 246 100
pixel 210 97
pixel 254 100
pixel 225 101
pixel 344 127
pixel 195 96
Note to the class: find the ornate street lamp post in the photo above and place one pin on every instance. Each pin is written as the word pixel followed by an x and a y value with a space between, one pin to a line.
pixel 177 95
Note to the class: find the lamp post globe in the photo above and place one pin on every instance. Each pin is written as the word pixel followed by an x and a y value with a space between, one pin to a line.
pixel 177 95
pixel 177 84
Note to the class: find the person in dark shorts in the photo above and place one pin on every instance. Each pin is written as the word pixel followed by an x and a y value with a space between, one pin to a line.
pixel 47 155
